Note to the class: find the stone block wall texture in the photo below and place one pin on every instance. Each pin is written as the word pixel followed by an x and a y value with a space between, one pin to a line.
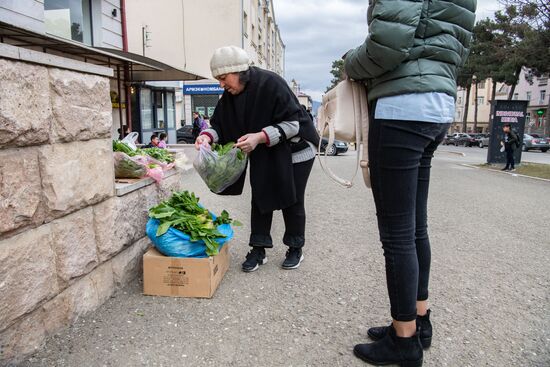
pixel 66 241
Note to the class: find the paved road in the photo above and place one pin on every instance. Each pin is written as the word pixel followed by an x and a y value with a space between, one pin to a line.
pixel 477 155
pixel 489 289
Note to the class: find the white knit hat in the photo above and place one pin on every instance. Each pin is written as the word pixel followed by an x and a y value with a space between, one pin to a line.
pixel 229 59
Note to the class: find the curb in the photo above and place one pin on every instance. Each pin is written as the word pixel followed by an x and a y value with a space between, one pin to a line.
pixel 454 153
pixel 507 173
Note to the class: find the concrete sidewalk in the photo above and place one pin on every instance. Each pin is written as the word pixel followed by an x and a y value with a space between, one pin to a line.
pixel 489 288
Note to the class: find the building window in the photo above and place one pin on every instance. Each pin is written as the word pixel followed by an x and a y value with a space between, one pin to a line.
pixel 516 96
pixel 69 19
pixel 480 100
pixel 542 96
pixel 528 119
pixel 459 102
pixel 481 84
pixel 528 96
pixel 245 24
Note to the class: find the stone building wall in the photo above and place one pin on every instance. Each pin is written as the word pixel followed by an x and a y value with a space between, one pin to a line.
pixel 66 240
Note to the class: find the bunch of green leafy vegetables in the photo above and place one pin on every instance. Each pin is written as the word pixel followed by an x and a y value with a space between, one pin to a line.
pixel 159 154
pixel 224 149
pixel 119 146
pixel 183 212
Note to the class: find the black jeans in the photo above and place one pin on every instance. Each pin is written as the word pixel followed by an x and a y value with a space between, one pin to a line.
pixel 294 216
pixel 400 154
pixel 510 163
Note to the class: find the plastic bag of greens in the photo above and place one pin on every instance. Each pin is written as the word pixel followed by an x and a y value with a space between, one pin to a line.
pixel 220 166
pixel 138 166
pixel 130 167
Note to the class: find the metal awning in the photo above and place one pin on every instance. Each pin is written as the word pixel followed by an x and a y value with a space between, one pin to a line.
pixel 142 68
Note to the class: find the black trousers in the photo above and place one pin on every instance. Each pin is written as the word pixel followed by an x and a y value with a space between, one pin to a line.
pixel 400 154
pixel 294 216
pixel 510 163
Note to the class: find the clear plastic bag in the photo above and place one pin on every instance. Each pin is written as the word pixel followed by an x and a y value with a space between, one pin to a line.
pixel 130 167
pixel 139 166
pixel 219 172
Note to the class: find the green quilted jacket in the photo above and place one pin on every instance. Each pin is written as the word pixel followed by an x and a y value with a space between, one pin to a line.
pixel 413 46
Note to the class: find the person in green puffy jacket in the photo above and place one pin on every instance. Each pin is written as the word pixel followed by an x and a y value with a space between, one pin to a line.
pixel 409 63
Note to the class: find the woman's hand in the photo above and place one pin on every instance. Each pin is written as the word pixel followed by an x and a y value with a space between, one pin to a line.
pixel 249 142
pixel 202 139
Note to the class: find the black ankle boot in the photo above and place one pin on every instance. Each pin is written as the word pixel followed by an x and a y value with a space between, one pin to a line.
pixel 392 349
pixel 422 322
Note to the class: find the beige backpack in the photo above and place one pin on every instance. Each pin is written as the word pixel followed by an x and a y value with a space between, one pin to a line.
pixel 344 115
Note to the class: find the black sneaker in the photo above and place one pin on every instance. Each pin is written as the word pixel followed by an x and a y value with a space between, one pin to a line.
pixel 293 259
pixel 505 169
pixel 422 322
pixel 254 259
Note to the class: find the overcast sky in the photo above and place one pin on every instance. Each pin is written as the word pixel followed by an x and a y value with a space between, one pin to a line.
pixel 317 32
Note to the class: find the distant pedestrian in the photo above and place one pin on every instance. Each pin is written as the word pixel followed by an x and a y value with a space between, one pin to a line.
pixel 197 125
pixel 409 62
pixel 162 140
pixel 206 120
pixel 511 142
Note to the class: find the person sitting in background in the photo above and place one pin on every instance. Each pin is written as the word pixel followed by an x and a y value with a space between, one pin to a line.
pixel 162 140
pixel 126 132
pixel 154 143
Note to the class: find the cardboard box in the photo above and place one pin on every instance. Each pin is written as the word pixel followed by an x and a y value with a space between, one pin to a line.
pixel 183 277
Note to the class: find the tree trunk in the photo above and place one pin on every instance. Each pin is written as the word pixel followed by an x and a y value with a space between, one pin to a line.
pixel 493 103
pixel 513 86
pixel 466 107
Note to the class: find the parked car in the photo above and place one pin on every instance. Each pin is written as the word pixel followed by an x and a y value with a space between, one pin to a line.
pixel 467 140
pixel 452 139
pixel 184 134
pixel 482 140
pixel 532 142
pixel 338 147
pixel 448 140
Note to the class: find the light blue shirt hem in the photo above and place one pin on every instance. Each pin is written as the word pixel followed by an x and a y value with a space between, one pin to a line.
pixel 427 107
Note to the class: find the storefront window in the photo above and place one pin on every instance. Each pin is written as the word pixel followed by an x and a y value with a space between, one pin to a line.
pixel 146 110
pixel 170 110
pixel 69 19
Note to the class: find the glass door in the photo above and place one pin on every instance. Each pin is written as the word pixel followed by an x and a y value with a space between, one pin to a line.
pixel 160 120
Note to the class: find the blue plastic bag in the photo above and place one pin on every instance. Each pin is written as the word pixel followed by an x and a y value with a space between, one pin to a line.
pixel 175 243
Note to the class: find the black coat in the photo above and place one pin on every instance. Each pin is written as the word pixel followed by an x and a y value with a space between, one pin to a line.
pixel 266 100
pixel 513 141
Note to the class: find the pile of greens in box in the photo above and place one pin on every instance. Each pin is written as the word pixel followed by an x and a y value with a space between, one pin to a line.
pixel 138 163
pixel 181 227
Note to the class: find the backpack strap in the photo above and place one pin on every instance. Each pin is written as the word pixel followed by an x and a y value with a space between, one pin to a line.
pixel 324 161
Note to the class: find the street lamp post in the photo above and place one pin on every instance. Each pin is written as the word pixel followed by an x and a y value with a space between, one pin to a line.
pixel 474 79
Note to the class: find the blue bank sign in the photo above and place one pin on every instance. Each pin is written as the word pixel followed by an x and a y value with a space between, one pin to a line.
pixel 202 89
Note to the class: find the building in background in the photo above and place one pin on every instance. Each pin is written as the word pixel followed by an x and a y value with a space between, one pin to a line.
pixel 534 90
pixel 529 88
pixel 303 98
pixel 210 24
